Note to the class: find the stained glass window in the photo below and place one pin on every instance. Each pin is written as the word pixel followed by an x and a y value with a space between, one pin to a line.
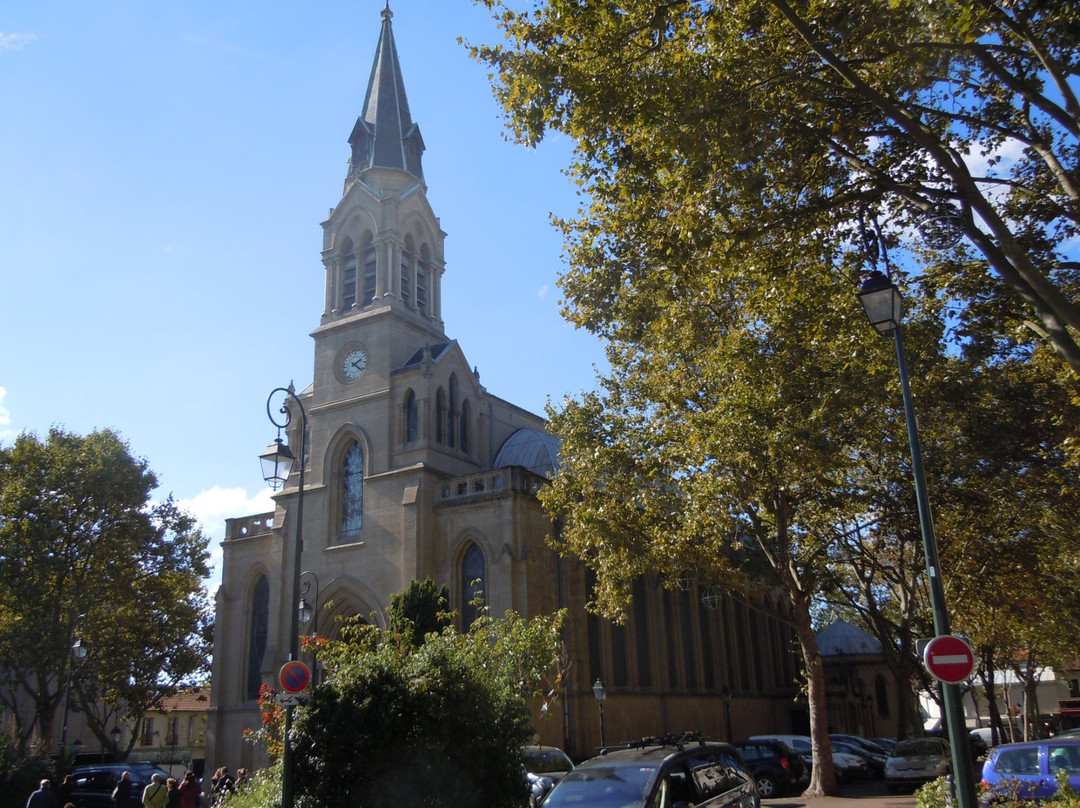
pixel 352 516
pixel 473 583
pixel 260 619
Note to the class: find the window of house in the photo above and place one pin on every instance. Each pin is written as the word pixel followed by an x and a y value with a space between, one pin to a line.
pixel 257 632
pixel 352 515
pixel 172 731
pixel 412 418
pixel 473 585
pixel 146 736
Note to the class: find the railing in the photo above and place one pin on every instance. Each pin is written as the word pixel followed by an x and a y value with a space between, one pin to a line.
pixel 244 526
pixel 491 483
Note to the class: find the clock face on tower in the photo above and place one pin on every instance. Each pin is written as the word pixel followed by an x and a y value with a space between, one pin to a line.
pixel 353 363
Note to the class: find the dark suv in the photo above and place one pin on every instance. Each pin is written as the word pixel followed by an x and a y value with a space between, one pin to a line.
pixel 669 772
pixel 94 784
pixel 774 765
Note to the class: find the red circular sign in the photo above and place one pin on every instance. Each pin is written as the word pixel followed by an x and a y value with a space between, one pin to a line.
pixel 294 676
pixel 949 658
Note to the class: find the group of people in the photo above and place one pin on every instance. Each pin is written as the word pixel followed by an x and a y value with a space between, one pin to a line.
pixel 160 792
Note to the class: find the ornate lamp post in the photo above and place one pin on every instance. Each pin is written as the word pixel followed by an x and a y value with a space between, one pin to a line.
pixel 884 306
pixel 78 654
pixel 601 697
pixel 725 696
pixel 277 462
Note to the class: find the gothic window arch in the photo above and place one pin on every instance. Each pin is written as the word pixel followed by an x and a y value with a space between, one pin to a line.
pixel 352 490
pixel 423 279
pixel 412 418
pixel 473 584
pixel 258 630
pixel 408 253
pixel 881 697
pixel 370 265
pixel 440 415
pixel 451 404
pixel 463 427
pixel 348 276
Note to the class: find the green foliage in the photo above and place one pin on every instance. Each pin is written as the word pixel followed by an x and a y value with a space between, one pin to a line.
pixel 261 790
pixel 440 724
pixel 422 609
pixel 83 544
pixel 19 777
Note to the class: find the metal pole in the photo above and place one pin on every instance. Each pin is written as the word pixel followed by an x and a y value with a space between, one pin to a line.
pixel 602 743
pixel 288 798
pixel 954 711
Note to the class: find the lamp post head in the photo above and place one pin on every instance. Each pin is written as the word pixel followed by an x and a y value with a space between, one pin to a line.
pixel 276 462
pixel 304 611
pixel 598 690
pixel 79 650
pixel 882 302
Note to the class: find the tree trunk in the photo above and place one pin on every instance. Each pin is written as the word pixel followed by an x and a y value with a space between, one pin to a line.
pixel 823 781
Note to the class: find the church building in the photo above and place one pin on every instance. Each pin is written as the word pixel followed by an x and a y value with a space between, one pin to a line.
pixel 414 470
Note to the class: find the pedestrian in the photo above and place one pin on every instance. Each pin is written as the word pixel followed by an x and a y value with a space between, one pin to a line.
pixel 173 785
pixel 63 794
pixel 156 794
pixel 223 784
pixel 122 795
pixel 44 797
pixel 190 791
pixel 241 778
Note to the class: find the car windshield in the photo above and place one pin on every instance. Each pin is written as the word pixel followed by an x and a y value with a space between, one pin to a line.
pixel 917 749
pixel 602 787
pixel 544 761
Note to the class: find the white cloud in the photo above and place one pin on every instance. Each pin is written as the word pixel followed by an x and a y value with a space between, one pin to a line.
pixel 543 291
pixel 6 432
pixel 14 41
pixel 211 508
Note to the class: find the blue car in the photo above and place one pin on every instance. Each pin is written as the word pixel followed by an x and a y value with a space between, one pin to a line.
pixel 1029 770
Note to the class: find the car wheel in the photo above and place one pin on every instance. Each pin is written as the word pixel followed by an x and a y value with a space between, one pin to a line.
pixel 766 786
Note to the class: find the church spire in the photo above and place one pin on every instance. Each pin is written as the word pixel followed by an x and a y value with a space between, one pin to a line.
pixel 385 135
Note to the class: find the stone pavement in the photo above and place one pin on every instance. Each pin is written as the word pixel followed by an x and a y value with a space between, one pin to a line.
pixel 867 794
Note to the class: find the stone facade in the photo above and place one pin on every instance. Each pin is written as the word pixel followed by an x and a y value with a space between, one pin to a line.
pixel 413 470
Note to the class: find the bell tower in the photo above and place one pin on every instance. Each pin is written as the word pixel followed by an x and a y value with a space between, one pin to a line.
pixel 382 243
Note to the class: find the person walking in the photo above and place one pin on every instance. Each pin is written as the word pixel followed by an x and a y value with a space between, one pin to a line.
pixel 223 785
pixel 63 794
pixel 44 797
pixel 122 795
pixel 190 791
pixel 173 786
pixel 156 794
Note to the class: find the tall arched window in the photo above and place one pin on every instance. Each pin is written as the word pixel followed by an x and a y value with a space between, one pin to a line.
pixel 257 631
pixel 473 585
pixel 463 428
pixel 440 415
pixel 451 403
pixel 412 418
pixel 352 513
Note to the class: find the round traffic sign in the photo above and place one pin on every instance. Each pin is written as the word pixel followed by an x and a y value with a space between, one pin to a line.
pixel 949 658
pixel 294 676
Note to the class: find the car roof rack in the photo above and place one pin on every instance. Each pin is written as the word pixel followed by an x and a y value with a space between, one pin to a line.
pixel 679 741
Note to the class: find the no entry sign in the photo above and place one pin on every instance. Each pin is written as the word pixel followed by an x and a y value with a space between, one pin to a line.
pixel 294 676
pixel 949 658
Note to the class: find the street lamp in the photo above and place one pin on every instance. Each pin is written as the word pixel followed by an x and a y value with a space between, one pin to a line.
pixel 601 697
pixel 884 307
pixel 78 653
pixel 277 462
pixel 725 696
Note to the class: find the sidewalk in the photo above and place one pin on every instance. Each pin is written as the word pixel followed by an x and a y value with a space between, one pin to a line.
pixel 868 794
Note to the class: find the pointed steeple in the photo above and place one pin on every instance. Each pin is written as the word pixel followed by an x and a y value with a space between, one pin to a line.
pixel 385 135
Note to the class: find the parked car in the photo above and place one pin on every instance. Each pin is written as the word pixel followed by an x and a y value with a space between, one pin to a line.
pixel 888 744
pixel 1029 770
pixel 874 748
pixel 659 771
pixel 94 784
pixel 544 767
pixel 848 767
pixel 917 761
pixel 775 766
pixel 875 764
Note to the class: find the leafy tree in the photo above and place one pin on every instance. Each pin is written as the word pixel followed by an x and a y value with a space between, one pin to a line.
pixel 440 724
pixel 85 554
pixel 422 609
pixel 747 118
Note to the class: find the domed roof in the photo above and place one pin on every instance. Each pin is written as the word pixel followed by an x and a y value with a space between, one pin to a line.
pixel 532 449
pixel 844 638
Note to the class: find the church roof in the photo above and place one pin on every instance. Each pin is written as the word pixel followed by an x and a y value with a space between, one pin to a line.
pixel 844 638
pixel 531 449
pixel 384 135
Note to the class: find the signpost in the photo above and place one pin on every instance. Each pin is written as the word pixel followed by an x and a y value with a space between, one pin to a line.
pixel 949 659
pixel 294 676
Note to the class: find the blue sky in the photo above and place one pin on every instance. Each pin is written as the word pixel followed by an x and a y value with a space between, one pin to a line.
pixel 164 169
